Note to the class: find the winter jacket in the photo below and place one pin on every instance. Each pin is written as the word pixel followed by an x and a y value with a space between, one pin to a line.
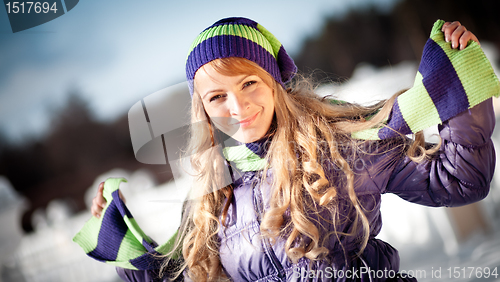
pixel 458 174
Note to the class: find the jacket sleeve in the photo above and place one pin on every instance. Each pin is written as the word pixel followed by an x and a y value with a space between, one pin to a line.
pixel 460 172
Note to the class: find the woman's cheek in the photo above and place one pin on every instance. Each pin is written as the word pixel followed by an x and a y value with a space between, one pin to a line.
pixel 213 110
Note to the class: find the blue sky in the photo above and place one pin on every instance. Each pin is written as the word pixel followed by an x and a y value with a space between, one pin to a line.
pixel 116 52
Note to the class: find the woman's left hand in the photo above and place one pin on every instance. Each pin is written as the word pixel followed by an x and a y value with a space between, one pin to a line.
pixel 457 34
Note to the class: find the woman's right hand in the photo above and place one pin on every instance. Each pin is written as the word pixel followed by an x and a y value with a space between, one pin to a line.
pixel 457 34
pixel 99 203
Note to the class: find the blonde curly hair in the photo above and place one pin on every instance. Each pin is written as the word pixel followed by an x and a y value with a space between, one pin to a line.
pixel 302 122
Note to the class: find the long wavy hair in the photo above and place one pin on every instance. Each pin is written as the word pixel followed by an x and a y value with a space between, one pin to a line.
pixel 301 123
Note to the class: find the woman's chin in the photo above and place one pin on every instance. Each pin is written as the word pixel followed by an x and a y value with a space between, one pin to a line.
pixel 232 128
pixel 247 136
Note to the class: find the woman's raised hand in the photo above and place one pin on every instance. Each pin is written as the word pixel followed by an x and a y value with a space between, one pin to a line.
pixel 99 203
pixel 457 34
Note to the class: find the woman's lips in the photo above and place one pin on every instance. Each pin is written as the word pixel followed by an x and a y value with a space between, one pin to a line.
pixel 248 121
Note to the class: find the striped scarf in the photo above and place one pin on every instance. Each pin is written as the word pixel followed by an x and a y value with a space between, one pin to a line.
pixel 115 237
pixel 448 82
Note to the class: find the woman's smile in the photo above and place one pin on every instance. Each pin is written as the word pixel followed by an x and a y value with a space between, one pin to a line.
pixel 248 121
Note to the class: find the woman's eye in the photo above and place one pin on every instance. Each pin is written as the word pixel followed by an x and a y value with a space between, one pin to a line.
pixel 215 97
pixel 249 83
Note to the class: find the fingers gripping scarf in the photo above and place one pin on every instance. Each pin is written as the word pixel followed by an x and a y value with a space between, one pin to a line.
pixel 448 82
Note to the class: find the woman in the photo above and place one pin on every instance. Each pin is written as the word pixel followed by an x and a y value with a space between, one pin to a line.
pixel 304 198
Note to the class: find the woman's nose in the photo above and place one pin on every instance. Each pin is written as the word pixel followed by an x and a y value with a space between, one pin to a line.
pixel 238 104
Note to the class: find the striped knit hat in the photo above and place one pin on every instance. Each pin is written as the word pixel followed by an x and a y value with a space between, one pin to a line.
pixel 244 38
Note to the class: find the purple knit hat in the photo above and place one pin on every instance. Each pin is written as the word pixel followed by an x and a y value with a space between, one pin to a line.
pixel 244 38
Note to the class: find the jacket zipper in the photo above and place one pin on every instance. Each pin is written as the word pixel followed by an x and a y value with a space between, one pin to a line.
pixel 258 202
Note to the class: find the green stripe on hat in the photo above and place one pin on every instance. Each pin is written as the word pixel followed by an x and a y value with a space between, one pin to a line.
pixel 275 43
pixel 240 30
pixel 417 107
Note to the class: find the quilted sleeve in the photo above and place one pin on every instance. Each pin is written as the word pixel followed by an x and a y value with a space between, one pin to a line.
pixel 460 172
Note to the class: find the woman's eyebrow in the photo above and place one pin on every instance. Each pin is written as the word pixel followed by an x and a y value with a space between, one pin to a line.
pixel 245 77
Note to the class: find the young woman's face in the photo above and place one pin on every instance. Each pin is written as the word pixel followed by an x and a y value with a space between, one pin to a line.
pixel 241 106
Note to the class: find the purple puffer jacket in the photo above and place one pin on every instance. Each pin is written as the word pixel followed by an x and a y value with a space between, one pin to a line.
pixel 459 174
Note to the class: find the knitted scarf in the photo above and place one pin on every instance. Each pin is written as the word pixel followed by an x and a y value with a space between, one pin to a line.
pixel 448 82
pixel 115 237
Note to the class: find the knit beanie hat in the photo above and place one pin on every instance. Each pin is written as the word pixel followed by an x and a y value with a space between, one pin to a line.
pixel 244 38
